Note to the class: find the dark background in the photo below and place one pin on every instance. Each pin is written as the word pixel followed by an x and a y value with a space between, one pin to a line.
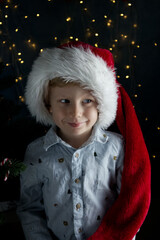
pixel 129 29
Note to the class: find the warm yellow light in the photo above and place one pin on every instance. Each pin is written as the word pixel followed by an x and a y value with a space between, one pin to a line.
pixel 135 95
pixel 16 30
pixel 6 16
pixel 105 16
pixel 135 25
pixel 13 45
pixel 138 46
pixel 93 20
pixel 4 42
pixel 20 78
pixel 19 54
pixel 68 19
pixel 22 99
pixel 41 50
pixel 1 23
pixel 85 9
pixel 37 14
pixel 108 24
pixel 158 128
pixel 16 6
pixel 127 76
pixel 10 48
pixel 96 44
pixel 25 16
pixel 146 119
pixel 116 40
pixel 139 85
pixel 55 38
pixel 76 39
pixel 129 4
pixel 127 66
pixel 7 64
pixel 33 45
pixel 22 62
pixel 110 49
pixel 121 14
pixel 19 59
pixel 6 6
pixel 71 37
pixel 154 156
pixel 16 80
pixel 96 34
pixel 81 2
pixel 113 45
pixel 118 76
pixel 125 16
pixel 133 42
pixel 29 40
pixel 155 44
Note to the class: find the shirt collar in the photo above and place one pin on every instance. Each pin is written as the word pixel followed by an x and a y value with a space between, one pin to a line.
pixel 51 138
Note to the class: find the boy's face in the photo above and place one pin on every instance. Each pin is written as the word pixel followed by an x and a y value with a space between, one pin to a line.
pixel 74 111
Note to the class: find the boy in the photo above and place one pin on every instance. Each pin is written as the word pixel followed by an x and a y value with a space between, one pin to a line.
pixel 73 186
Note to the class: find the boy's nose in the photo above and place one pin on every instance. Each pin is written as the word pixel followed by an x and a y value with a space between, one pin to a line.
pixel 76 110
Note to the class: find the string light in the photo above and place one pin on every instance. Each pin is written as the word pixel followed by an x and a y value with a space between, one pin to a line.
pixel 68 19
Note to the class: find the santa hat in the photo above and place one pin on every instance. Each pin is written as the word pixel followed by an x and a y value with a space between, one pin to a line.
pixel 94 69
pixel 73 64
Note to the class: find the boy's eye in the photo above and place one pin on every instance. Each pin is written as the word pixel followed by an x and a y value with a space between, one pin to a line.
pixel 87 101
pixel 64 101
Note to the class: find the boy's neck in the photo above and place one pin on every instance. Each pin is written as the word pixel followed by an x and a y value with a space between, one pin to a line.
pixel 75 142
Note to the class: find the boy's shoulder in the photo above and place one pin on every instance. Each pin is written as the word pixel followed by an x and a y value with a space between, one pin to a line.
pixel 115 138
pixel 37 143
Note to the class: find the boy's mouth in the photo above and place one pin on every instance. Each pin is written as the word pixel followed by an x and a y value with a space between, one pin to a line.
pixel 75 125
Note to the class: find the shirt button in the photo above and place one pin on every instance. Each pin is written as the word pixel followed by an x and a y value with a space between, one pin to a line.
pixel 77 155
pixel 115 157
pixel 78 206
pixel 77 180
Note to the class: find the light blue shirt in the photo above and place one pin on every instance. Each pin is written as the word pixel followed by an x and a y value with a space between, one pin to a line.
pixel 73 187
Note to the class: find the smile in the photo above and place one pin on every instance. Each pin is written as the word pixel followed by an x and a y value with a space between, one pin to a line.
pixel 76 125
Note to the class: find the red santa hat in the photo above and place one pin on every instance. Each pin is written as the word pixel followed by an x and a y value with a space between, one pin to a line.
pixel 93 68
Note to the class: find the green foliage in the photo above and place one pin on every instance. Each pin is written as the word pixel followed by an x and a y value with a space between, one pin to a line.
pixel 11 168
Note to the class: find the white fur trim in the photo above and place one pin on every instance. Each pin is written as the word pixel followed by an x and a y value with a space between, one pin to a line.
pixel 72 64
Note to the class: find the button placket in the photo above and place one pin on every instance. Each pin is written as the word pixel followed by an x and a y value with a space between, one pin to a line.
pixel 77 191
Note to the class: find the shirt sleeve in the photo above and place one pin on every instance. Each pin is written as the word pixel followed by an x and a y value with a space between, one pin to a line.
pixel 30 208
